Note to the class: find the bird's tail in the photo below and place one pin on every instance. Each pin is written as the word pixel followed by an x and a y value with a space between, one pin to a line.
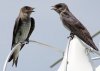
pixel 95 47
pixel 15 56
pixel 92 44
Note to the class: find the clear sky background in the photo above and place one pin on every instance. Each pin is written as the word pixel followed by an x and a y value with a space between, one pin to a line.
pixel 49 30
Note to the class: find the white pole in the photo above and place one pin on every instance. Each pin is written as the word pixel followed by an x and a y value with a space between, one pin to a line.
pixel 98 68
pixel 78 58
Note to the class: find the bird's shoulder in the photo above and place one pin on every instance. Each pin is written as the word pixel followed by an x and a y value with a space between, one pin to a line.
pixel 83 31
pixel 18 22
pixel 32 22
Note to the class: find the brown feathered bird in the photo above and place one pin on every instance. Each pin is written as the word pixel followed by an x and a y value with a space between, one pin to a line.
pixel 24 26
pixel 73 24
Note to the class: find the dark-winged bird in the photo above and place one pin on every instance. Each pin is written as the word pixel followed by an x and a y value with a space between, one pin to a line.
pixel 73 24
pixel 24 26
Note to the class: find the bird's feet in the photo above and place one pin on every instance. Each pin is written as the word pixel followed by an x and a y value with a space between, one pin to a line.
pixel 24 42
pixel 27 41
pixel 71 36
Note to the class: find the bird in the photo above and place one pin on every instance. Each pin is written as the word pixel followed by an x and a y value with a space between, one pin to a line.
pixel 72 24
pixel 23 28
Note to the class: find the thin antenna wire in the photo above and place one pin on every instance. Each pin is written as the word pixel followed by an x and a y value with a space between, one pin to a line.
pixel 70 38
pixel 56 62
pixel 97 33
pixel 54 48
pixel 51 66
pixel 96 58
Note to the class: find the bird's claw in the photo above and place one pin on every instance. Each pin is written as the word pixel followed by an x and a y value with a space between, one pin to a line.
pixel 27 41
pixel 71 36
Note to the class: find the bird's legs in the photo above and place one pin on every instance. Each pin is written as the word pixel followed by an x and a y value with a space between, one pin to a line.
pixel 27 41
pixel 71 35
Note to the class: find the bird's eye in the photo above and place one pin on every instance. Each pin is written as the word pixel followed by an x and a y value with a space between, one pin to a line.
pixel 58 6
pixel 27 8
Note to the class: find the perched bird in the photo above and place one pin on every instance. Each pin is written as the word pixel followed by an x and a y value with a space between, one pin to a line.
pixel 24 26
pixel 73 24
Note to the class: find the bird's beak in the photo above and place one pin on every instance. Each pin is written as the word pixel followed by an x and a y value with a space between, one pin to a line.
pixel 32 10
pixel 53 8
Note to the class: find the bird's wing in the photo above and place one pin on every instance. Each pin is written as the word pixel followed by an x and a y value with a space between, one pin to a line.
pixel 15 30
pixel 83 34
pixel 32 28
pixel 83 30
pixel 77 28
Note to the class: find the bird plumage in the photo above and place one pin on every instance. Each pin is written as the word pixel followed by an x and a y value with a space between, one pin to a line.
pixel 73 24
pixel 24 26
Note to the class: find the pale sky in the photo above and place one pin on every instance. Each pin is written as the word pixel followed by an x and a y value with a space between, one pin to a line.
pixel 48 29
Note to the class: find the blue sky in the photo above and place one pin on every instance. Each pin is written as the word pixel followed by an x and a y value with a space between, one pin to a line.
pixel 49 30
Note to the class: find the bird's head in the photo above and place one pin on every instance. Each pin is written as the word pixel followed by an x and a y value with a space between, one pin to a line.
pixel 60 7
pixel 26 11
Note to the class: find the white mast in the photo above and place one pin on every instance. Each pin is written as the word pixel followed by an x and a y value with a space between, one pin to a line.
pixel 77 58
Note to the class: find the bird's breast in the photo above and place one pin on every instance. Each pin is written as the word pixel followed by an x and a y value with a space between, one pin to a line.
pixel 23 32
pixel 65 24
